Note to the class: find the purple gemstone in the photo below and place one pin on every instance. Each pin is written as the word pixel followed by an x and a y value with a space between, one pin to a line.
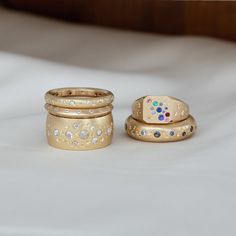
pixel 161 117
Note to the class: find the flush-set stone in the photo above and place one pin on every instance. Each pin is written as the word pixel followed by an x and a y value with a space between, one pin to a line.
pixel 99 132
pixel 84 134
pixel 143 132
pixel 76 125
pixel 109 131
pixel 56 132
pixel 69 134
pixel 94 140
pixel 157 134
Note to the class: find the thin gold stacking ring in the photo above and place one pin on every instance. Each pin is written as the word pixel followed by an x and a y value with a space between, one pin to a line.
pixel 79 97
pixel 78 113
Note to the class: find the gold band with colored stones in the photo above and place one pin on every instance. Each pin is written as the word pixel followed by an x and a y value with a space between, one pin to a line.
pixel 79 97
pixel 79 134
pixel 161 132
pixel 159 110
pixel 78 113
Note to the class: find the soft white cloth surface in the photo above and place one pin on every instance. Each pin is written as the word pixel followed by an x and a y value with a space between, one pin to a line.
pixel 130 188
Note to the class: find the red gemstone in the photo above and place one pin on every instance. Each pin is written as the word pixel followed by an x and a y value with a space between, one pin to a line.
pixel 167 114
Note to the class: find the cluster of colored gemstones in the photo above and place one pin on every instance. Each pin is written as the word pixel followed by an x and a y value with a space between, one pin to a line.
pixel 159 109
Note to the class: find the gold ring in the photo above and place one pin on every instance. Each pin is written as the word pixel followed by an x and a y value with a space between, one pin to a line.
pixel 162 132
pixel 78 113
pixel 159 110
pixel 79 126
pixel 79 97
pixel 79 134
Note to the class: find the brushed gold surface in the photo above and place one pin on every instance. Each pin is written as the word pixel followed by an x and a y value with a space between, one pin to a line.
pixel 79 134
pixel 78 113
pixel 161 132
pixel 73 97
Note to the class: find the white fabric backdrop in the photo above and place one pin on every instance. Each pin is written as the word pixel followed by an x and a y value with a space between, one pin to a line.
pixel 130 188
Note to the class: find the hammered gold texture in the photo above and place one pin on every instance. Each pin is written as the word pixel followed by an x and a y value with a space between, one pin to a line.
pixel 79 134
pixel 161 133
pixel 171 110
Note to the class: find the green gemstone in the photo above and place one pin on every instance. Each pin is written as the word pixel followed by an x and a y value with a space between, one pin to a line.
pixel 155 103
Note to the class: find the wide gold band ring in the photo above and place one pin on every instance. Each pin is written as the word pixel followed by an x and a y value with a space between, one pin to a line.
pixel 159 110
pixel 162 132
pixel 79 134
pixel 79 126
pixel 79 97
pixel 78 113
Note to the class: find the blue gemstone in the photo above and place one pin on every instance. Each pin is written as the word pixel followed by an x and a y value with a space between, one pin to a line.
pixel 161 117
pixel 155 103
pixel 143 132
pixel 159 109
pixel 157 134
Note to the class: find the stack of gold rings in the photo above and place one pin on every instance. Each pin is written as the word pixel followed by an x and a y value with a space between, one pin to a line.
pixel 160 119
pixel 79 118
